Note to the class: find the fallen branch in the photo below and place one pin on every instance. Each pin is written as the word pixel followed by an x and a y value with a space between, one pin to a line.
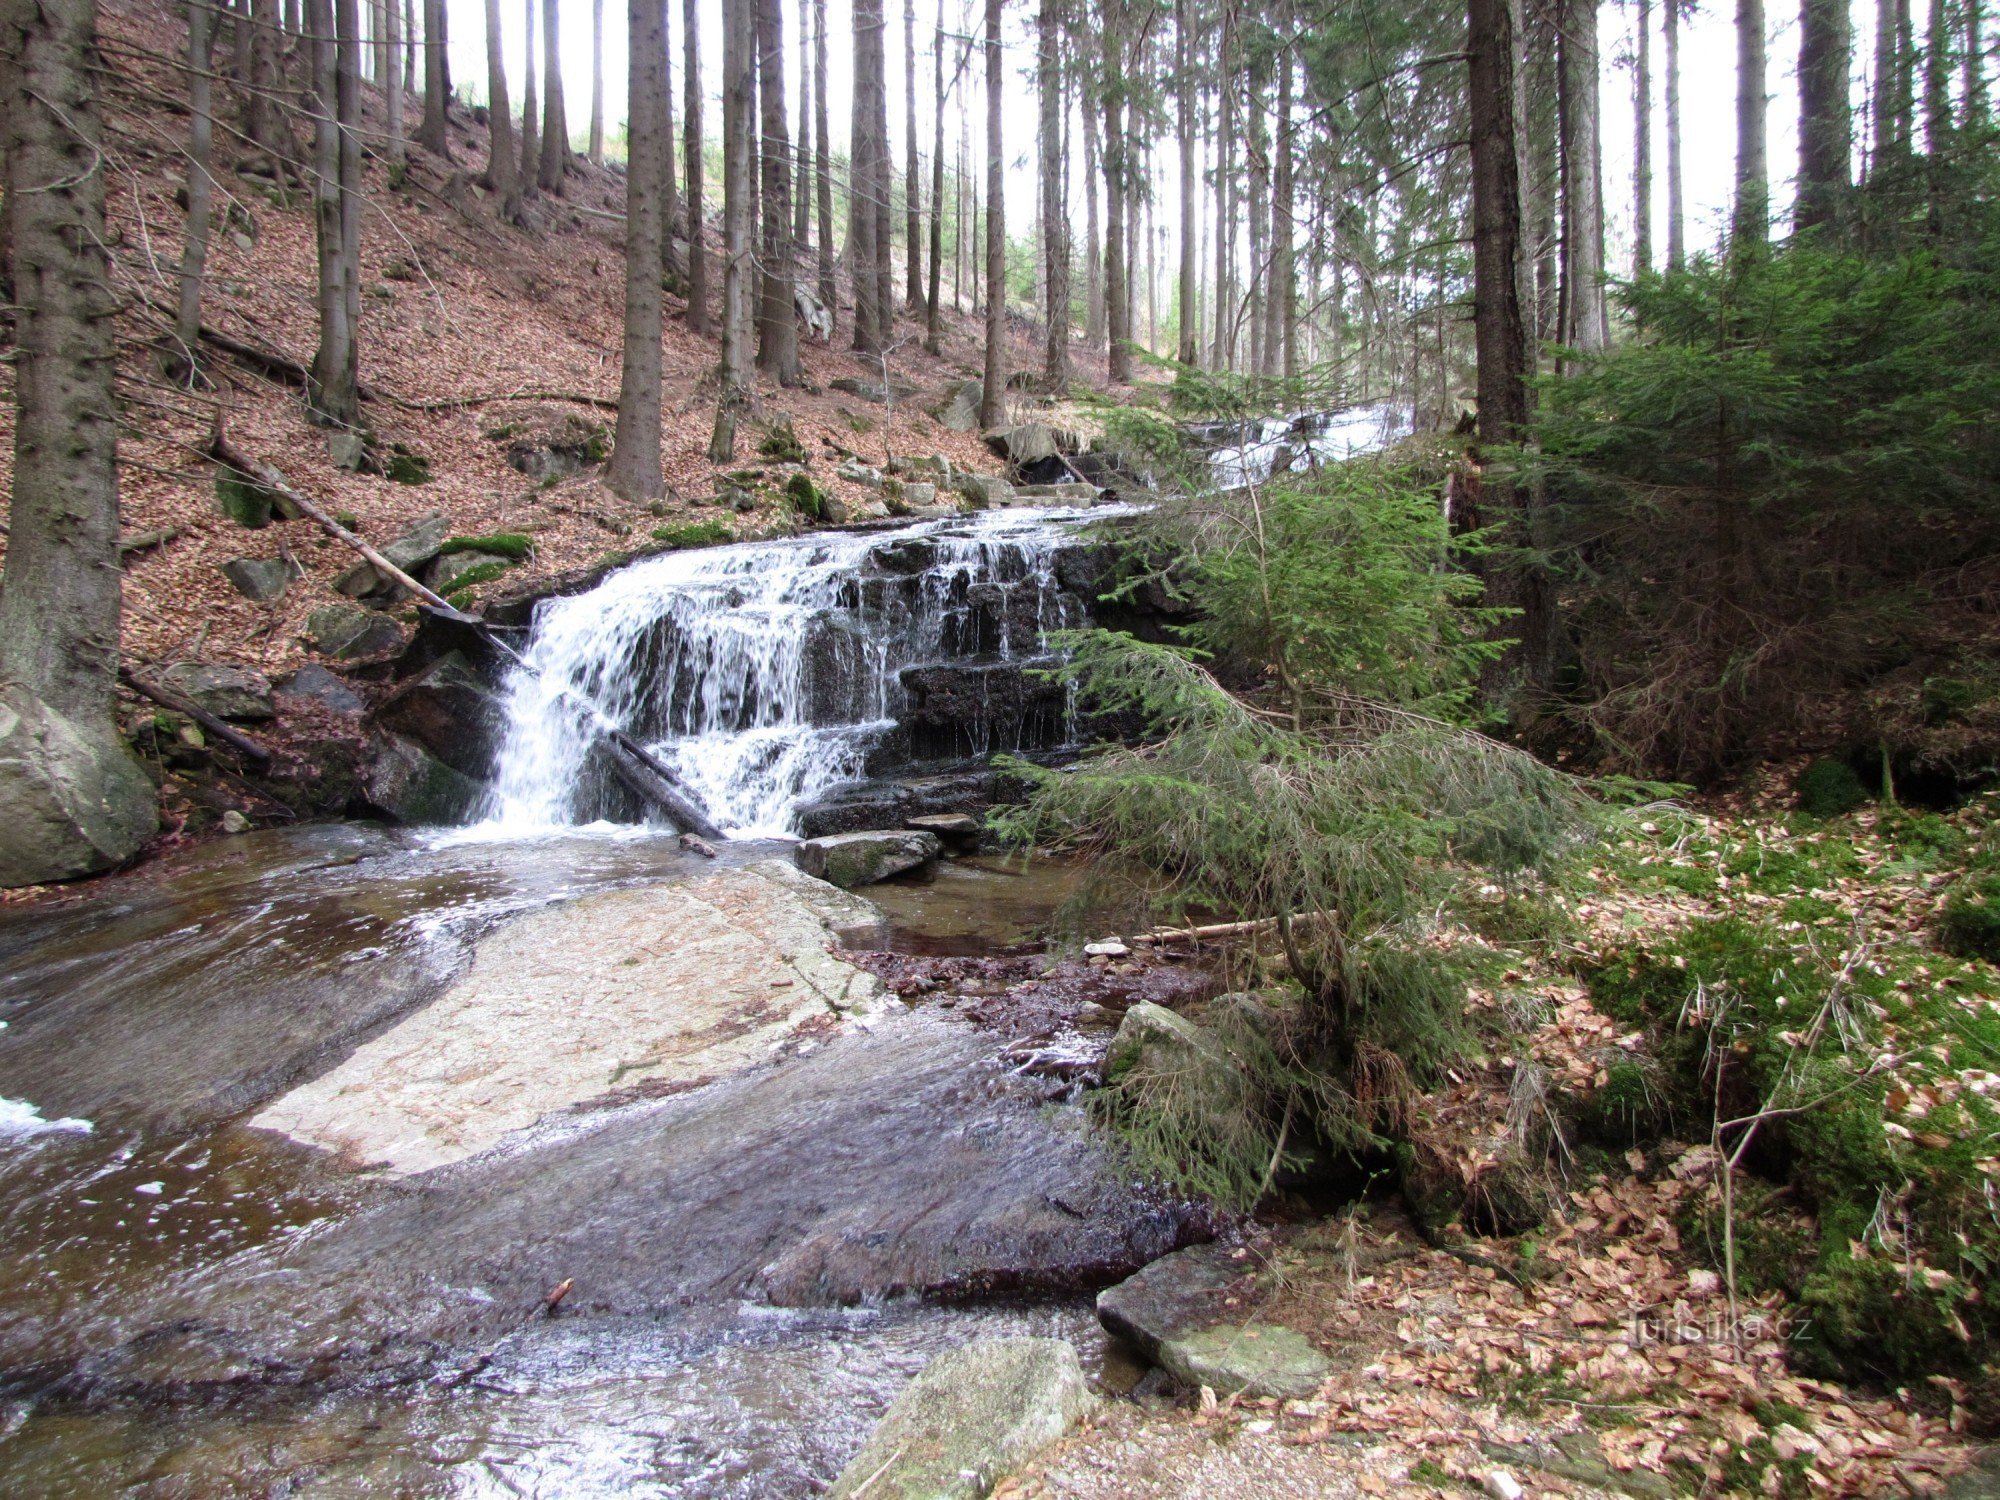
pixel 143 541
pixel 1202 934
pixel 167 698
pixel 452 403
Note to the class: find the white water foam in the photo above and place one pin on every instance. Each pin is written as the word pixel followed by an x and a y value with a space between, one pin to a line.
pixel 1320 437
pixel 20 1119
pixel 762 674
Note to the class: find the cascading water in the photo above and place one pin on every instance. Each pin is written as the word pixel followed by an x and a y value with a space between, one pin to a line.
pixel 766 673
pixel 1251 452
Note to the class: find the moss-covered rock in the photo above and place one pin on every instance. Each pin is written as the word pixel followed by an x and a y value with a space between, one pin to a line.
pixel 1829 788
pixel 1970 923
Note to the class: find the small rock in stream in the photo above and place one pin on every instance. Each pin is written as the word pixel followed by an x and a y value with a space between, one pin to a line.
pixel 975 1414
pixel 851 859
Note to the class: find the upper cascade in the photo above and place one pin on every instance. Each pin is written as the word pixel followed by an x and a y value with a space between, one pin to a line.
pixel 764 674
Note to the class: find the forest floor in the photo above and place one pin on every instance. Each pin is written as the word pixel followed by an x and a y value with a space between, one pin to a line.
pixel 1593 1353
pixel 457 308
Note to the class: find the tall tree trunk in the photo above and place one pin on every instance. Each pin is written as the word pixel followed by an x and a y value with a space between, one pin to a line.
pixel 531 114
pixel 1225 193
pixel 555 120
pixel 597 89
pixel 777 322
pixel 1972 67
pixel 1642 144
pixel 1906 78
pixel 76 801
pixel 1117 300
pixel 433 133
pixel 334 395
pixel 1189 348
pixel 993 399
pixel 934 320
pixel 1586 326
pixel 392 74
pixel 913 185
pixel 634 470
pixel 348 96
pixel 823 163
pixel 738 133
pixel 1284 334
pixel 802 180
pixel 696 168
pixel 883 190
pixel 502 168
pixel 200 183
pixel 1257 84
pixel 411 36
pixel 1055 213
pixel 1750 224
pixel 1093 243
pixel 263 119
pixel 1500 334
pixel 1826 127
pixel 862 220
pixel 379 20
pixel 1676 204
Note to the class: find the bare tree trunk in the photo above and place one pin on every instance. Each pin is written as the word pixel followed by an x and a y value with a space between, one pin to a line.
pixel 1676 203
pixel 1586 325
pixel 334 396
pixel 634 470
pixel 802 182
pixel 200 183
pixel 1285 299
pixel 823 163
pixel 695 167
pixel 862 220
pixel 597 89
pixel 379 53
pixel 1642 145
pixel 1501 333
pixel 934 320
pixel 913 184
pixel 738 130
pixel 1190 319
pixel 555 120
pixel 883 188
pixel 502 170
pixel 1225 194
pixel 1258 87
pixel 1055 212
pixel 993 399
pixel 392 86
pixel 410 38
pixel 348 97
pixel 1826 127
pixel 1750 224
pixel 263 121
pixel 433 134
pixel 1972 70
pixel 777 322
pixel 1093 242
pixel 74 798
pixel 531 115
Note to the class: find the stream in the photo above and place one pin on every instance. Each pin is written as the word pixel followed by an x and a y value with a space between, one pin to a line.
pixel 301 1130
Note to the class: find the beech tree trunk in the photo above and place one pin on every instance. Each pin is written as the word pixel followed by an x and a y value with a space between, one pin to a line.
pixel 696 169
pixel 823 163
pixel 1826 127
pixel 777 322
pixel 502 168
pixel 1750 223
pixel 634 471
pixel 738 132
pixel 597 85
pixel 334 387
pixel 433 134
pixel 1055 212
pixel 200 184
pixel 866 173
pixel 392 79
pixel 1676 204
pixel 993 398
pixel 72 799
pixel 555 120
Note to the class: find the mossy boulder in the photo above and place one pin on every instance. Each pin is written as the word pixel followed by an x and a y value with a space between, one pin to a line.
pixel 1829 788
pixel 851 859
pixel 1970 923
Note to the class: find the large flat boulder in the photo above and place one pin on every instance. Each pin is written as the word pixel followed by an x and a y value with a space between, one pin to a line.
pixel 851 859
pixel 974 1415
pixel 227 692
pixel 70 802
pixel 1248 1359
pixel 648 988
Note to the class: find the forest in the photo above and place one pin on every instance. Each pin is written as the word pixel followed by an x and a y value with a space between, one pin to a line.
pixel 1061 748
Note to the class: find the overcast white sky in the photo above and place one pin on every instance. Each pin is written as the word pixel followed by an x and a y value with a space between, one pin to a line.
pixel 1708 93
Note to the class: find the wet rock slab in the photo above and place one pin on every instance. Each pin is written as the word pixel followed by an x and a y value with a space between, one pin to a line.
pixel 851 859
pixel 627 989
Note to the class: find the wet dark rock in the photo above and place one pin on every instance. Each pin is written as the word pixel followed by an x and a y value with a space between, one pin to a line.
pixel 892 803
pixel 1186 1312
pixel 260 578
pixel 409 784
pixel 349 632
pixel 975 1414
pixel 1178 1293
pixel 313 685
pixel 978 707
pixel 957 830
pixel 451 711
pixel 852 859
pixel 227 692
pixel 906 556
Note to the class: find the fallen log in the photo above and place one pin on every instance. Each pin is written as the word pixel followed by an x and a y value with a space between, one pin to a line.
pixel 1212 930
pixel 635 765
pixel 168 698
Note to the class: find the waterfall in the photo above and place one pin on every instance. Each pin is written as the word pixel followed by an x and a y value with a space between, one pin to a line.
pixel 764 674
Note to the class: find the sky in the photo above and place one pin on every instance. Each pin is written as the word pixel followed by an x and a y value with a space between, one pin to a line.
pixel 1708 95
